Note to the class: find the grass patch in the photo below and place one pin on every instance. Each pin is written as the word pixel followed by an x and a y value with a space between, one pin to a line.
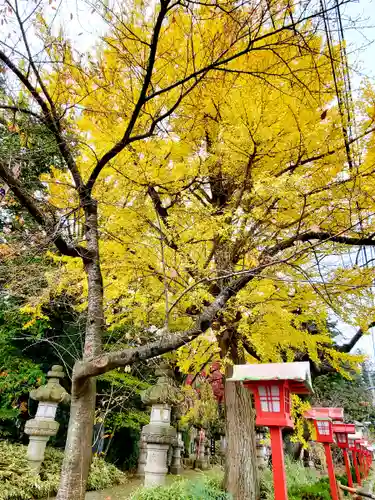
pixel 18 483
pixel 207 488
pixel 303 483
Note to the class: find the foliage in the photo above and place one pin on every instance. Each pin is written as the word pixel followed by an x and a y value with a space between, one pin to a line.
pixel 351 394
pixel 297 476
pixel 240 160
pixel 317 491
pixel 299 407
pixel 18 373
pixel 200 408
pixel 237 145
pixel 204 489
pixel 303 483
pixel 18 482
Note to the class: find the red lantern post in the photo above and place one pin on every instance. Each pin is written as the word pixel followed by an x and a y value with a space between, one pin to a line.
pixel 342 432
pixel 370 455
pixel 353 449
pixel 324 432
pixel 364 445
pixel 358 450
pixel 272 385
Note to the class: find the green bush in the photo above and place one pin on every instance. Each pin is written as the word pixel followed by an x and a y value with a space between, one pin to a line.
pixel 204 489
pixel 317 491
pixel 297 476
pixel 18 483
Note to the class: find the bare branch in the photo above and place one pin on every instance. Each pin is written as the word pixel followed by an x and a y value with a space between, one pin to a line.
pixel 41 217
pixel 356 338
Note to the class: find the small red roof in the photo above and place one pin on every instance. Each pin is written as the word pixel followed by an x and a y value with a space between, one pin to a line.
pixel 344 428
pixel 332 413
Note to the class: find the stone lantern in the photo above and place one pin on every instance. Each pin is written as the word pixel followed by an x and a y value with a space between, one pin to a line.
pixel 177 444
pixel 159 434
pixel 44 425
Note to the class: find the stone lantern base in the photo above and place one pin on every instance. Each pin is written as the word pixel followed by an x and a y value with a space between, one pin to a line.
pixel 156 466
pixel 39 431
pixel 158 436
pixel 176 466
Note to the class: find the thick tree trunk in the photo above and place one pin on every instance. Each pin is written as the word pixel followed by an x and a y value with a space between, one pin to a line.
pixel 77 457
pixel 241 471
pixel 241 474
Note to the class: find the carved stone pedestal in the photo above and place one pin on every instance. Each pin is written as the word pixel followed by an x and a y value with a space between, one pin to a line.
pixel 142 455
pixel 159 435
pixel 176 466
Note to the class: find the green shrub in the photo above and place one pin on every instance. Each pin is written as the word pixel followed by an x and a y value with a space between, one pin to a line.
pixel 296 476
pixel 18 483
pixel 204 489
pixel 317 491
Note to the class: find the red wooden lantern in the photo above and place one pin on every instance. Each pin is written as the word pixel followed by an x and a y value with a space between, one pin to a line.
pixel 335 414
pixel 324 430
pixel 351 443
pixel 341 432
pixel 324 434
pixel 272 403
pixel 272 385
pixel 353 438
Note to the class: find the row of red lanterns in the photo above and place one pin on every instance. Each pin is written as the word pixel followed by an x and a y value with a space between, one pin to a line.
pixel 330 429
pixel 272 385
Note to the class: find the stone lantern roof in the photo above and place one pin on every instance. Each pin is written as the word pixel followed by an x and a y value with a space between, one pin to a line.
pixel 52 391
pixel 164 391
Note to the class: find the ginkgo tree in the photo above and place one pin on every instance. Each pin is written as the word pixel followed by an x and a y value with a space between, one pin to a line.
pixel 203 171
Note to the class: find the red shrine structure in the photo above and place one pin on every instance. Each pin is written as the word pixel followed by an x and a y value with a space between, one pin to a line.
pixel 322 418
pixel 272 386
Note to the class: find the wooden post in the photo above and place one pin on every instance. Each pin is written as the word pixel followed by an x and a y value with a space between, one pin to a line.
pixel 331 472
pixel 347 466
pixel 357 473
pixel 278 466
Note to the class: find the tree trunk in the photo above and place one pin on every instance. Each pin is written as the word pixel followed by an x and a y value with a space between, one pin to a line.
pixel 241 471
pixel 77 457
pixel 241 474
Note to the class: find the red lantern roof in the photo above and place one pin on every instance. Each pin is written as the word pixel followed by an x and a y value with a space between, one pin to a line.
pixel 297 374
pixel 344 428
pixel 332 413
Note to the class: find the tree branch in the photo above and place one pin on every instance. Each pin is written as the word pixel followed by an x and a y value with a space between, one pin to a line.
pixel 117 148
pixel 169 341
pixel 40 216
pixel 356 338
pixel 22 110
pixel 49 119
pixel 324 236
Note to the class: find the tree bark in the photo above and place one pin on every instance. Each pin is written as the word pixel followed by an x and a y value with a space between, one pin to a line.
pixel 241 471
pixel 77 456
pixel 241 474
